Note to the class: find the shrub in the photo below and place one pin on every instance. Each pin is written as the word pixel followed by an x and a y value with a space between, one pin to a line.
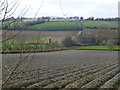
pixel 68 42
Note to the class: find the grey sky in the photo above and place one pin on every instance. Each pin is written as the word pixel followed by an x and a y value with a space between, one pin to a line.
pixel 85 8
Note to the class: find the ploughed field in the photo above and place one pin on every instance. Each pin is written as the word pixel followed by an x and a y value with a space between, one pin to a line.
pixel 39 33
pixel 64 69
pixel 23 34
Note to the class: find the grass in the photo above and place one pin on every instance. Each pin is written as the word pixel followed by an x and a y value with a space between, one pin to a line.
pixel 99 24
pixel 31 42
pixel 34 38
pixel 14 47
pixel 39 26
pixel 22 47
pixel 86 23
pixel 94 47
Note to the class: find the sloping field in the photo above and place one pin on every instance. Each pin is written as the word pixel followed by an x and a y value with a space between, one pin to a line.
pixel 39 34
pixel 86 23
pixel 100 24
pixel 54 24
pixel 64 69
pixel 26 37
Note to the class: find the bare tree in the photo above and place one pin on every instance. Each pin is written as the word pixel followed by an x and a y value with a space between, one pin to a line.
pixel 7 9
pixel 98 37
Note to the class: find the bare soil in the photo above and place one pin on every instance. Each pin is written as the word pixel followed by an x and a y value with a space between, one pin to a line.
pixel 64 69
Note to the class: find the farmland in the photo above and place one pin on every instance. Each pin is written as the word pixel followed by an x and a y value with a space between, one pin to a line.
pixel 39 26
pixel 28 40
pixel 86 23
pixel 56 31
pixel 37 36
pixel 66 25
pixel 74 68
pixel 100 24
pixel 64 69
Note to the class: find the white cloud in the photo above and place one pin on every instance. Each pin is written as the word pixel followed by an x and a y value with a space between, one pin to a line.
pixel 86 8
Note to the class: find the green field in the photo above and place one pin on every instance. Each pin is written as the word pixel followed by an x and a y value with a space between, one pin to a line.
pixel 39 26
pixel 33 39
pixel 86 23
pixel 28 42
pixel 13 47
pixel 95 48
pixel 31 42
pixel 100 24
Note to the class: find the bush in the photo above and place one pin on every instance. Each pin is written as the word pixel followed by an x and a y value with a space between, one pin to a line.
pixel 110 45
pixel 68 42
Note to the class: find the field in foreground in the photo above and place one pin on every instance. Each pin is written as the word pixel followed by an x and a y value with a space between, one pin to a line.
pixel 64 69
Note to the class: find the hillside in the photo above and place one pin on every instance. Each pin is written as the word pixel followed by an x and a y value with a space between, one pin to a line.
pixel 74 25
pixel 61 25
pixel 56 26
pixel 100 24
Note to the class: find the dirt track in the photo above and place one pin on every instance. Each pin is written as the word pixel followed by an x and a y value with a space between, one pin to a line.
pixel 65 69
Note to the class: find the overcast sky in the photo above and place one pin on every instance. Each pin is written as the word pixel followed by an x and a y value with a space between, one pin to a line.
pixel 85 8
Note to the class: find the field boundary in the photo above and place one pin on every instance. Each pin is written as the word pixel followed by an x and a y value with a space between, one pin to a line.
pixel 96 49
pixel 48 50
pixel 32 51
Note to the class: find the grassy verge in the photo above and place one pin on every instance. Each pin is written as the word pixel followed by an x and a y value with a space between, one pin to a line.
pixel 94 48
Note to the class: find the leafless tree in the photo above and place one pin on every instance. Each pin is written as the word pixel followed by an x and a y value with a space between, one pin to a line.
pixel 98 37
pixel 7 9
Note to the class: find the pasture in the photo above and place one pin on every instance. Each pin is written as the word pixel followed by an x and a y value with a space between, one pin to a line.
pixel 86 24
pixel 39 26
pixel 100 24
pixel 66 25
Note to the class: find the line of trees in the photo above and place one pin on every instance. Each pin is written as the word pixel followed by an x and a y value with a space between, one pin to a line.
pixel 75 17
pixel 94 37
pixel 103 19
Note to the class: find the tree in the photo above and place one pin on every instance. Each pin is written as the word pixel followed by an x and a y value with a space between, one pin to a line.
pixel 67 42
pixel 7 9
pixel 99 37
pixel 81 18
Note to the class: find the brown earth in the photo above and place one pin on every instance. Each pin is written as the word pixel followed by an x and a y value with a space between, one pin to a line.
pixel 20 34
pixel 64 69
